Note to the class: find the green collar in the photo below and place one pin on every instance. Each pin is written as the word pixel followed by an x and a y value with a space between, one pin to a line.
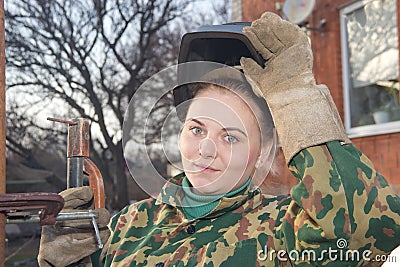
pixel 177 193
pixel 196 206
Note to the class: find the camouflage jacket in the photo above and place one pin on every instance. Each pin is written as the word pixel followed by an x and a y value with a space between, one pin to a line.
pixel 341 213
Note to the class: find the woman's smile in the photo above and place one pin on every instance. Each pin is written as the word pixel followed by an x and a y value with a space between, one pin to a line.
pixel 204 168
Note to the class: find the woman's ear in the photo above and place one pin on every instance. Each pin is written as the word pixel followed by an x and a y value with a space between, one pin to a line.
pixel 263 164
pixel 264 154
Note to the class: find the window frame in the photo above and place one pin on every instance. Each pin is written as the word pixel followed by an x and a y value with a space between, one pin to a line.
pixel 366 130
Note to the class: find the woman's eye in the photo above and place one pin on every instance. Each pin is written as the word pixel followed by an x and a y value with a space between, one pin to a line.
pixel 196 130
pixel 231 139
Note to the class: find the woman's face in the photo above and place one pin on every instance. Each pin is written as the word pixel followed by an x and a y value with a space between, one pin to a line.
pixel 219 143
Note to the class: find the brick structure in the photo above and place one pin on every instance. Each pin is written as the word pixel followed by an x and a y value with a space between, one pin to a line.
pixel 383 150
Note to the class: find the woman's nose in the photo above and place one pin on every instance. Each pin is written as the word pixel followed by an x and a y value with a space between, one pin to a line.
pixel 207 148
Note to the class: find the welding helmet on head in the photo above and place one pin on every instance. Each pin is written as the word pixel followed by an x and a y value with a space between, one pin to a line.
pixel 207 55
pixel 224 44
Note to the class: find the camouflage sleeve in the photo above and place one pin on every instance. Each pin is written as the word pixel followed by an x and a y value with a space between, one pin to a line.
pixel 343 211
pixel 99 258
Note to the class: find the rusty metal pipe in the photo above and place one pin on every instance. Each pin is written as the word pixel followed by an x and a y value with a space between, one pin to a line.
pixel 95 182
pixel 2 129
pixel 78 149
pixel 78 161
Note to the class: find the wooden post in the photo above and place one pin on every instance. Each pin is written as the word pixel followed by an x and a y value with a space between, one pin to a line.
pixel 2 129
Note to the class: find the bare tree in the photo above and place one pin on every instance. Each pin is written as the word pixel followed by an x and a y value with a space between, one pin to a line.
pixel 87 58
pixel 92 56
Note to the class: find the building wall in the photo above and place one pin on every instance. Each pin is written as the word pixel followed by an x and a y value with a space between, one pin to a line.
pixel 236 10
pixel 383 150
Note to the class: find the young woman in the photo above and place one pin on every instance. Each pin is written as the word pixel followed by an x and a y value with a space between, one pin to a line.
pixel 342 212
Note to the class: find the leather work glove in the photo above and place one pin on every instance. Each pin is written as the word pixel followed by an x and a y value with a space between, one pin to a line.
pixel 304 113
pixel 70 241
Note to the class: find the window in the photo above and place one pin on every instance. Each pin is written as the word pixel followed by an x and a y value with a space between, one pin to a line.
pixel 370 60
